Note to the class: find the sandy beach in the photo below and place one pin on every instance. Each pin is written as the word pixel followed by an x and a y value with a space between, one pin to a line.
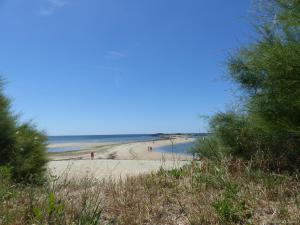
pixel 115 160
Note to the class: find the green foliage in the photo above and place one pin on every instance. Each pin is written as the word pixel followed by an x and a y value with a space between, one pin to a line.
pixel 268 74
pixel 5 173
pixel 208 147
pixel 5 178
pixel 7 129
pixel 229 207
pixel 226 211
pixel 22 146
pixel 29 164
pixel 177 173
pixel 53 212
pixel 52 203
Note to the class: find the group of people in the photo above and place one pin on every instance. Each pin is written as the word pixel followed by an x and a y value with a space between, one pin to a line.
pixel 150 149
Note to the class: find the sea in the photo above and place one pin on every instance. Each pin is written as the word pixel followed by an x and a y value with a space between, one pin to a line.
pixel 183 148
pixel 90 139
pixel 73 143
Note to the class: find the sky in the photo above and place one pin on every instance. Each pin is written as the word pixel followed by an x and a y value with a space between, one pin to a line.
pixel 119 67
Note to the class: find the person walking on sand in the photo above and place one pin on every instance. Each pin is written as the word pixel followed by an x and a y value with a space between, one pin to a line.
pixel 92 155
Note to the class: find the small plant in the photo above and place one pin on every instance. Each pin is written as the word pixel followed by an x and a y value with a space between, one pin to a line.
pixel 5 174
pixel 52 214
pixel 177 173
pixel 226 210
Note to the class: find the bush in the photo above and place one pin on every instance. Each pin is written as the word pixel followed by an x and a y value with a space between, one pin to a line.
pixel 268 74
pixel 7 129
pixel 22 146
pixel 233 130
pixel 209 147
pixel 29 163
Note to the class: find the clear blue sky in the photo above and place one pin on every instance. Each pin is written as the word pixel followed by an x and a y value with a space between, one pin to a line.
pixel 119 66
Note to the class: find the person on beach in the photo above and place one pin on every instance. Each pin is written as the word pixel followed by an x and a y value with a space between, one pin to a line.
pixel 92 155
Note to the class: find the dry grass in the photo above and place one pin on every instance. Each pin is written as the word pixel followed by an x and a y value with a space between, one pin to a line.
pixel 224 192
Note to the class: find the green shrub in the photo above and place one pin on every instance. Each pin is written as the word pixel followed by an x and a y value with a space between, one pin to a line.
pixel 267 127
pixel 29 163
pixel 22 146
pixel 7 129
pixel 209 147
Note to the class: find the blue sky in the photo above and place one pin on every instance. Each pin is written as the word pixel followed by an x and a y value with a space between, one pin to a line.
pixel 115 66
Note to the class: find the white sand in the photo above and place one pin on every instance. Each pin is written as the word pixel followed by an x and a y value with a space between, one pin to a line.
pixel 116 160
pixel 108 168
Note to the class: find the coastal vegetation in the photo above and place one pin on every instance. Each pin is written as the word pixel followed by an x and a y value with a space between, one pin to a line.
pixel 22 146
pixel 265 127
pixel 247 170
pixel 228 191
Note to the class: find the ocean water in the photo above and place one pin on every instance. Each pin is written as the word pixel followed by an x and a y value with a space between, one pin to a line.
pixel 176 148
pixel 90 139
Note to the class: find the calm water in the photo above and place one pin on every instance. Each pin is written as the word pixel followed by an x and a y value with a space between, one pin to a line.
pixel 177 148
pixel 90 139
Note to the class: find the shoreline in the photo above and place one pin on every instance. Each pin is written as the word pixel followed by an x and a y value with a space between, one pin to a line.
pixel 122 150
pixel 117 160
